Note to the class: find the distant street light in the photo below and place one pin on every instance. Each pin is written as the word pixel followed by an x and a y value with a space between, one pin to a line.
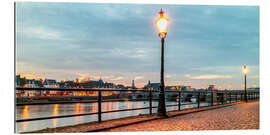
pixel 162 25
pixel 245 71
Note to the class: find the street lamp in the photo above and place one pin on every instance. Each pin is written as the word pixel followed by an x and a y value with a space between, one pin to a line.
pixel 245 71
pixel 162 25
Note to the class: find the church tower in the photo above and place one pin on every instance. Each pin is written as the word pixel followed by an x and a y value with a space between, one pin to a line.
pixel 133 84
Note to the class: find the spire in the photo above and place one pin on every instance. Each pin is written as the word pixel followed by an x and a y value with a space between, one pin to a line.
pixel 100 76
pixel 133 84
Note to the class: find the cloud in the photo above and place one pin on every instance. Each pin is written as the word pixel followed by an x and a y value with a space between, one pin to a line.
pixel 120 39
pixel 210 77
pixel 169 76
pixel 39 32
pixel 138 78
pixel 254 76
pixel 117 78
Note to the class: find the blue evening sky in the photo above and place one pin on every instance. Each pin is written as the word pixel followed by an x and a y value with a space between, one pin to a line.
pixel 119 42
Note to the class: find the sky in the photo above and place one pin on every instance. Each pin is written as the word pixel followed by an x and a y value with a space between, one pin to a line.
pixel 119 43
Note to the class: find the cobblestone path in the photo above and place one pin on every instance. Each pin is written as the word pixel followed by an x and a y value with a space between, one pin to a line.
pixel 240 116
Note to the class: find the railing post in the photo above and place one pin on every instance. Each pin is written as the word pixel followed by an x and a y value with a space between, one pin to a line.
pixel 222 98
pixel 234 97
pixel 230 95
pixel 240 96
pixel 99 105
pixel 150 102
pixel 212 98
pixel 179 100
pixel 198 100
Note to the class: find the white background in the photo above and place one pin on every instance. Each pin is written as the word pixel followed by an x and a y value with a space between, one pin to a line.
pixel 7 63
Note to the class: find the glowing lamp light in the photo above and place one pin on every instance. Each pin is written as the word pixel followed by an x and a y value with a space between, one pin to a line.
pixel 245 70
pixel 162 24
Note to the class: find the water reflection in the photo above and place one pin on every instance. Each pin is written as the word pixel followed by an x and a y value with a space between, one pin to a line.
pixel 110 109
pixel 55 113
pixel 25 115
pixel 129 107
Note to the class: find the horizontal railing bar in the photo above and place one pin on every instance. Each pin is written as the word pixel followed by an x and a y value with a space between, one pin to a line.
pixel 127 110
pixel 124 90
pixel 80 89
pixel 191 103
pixel 53 117
pixel 74 102
pixel 171 105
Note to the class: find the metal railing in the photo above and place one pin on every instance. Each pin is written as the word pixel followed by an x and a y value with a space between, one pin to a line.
pixel 211 98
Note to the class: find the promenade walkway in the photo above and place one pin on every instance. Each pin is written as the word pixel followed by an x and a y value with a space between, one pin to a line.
pixel 235 117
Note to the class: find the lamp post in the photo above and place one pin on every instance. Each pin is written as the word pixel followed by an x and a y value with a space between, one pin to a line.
pixel 162 25
pixel 245 70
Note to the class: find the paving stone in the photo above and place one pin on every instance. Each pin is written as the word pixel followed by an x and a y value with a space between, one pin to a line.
pixel 236 117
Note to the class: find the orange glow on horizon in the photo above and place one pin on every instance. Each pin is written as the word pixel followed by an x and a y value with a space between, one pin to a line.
pixel 29 76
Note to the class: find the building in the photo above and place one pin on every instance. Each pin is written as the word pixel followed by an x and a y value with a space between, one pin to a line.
pixel 69 84
pixel 179 87
pixel 20 82
pixel 120 86
pixel 109 85
pixel 31 83
pixel 152 86
pixel 254 88
pixel 50 83
pixel 94 84
pixel 211 88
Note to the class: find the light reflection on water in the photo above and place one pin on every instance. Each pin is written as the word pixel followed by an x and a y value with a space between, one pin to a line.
pixel 25 115
pixel 55 113
pixel 35 111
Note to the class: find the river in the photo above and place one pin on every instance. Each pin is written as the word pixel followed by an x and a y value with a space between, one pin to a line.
pixel 35 111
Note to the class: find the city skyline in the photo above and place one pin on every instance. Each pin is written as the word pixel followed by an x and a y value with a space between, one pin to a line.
pixel 120 43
